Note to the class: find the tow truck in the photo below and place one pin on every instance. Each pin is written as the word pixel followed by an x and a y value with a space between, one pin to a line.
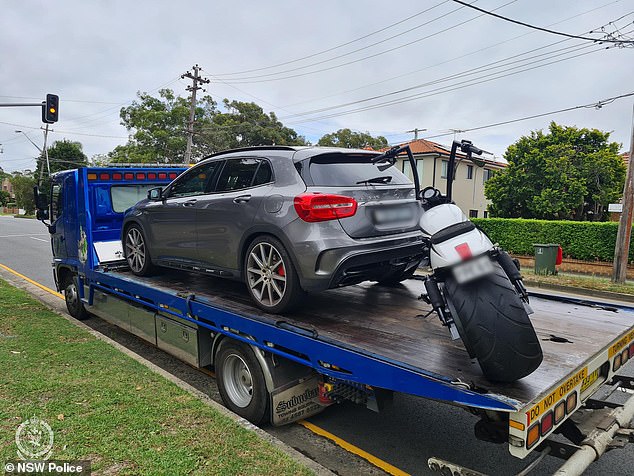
pixel 360 343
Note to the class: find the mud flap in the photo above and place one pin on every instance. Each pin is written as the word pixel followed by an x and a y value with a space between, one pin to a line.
pixel 296 400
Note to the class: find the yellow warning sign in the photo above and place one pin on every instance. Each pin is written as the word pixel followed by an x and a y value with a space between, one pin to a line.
pixel 560 392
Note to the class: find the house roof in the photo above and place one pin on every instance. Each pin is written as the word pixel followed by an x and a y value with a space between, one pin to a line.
pixel 423 146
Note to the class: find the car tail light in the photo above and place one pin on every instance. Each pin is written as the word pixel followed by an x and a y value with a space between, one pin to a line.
pixel 464 251
pixel 315 207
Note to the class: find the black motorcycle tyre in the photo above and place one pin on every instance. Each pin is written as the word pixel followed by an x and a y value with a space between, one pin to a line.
pixel 494 326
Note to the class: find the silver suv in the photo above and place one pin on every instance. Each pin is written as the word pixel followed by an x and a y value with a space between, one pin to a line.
pixel 285 220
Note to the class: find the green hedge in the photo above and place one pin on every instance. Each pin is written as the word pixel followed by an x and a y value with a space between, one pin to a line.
pixel 589 241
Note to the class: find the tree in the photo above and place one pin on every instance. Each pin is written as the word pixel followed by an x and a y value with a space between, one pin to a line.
pixel 245 124
pixel 62 155
pixel 158 128
pixel 4 198
pixel 352 140
pixel 567 173
pixel 23 189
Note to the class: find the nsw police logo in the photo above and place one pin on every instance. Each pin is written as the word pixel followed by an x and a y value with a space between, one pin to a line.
pixel 34 439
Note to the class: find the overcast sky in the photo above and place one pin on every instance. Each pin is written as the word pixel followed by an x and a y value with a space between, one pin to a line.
pixel 97 54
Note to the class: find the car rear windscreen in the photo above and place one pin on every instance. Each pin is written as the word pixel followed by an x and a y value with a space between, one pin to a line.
pixel 344 170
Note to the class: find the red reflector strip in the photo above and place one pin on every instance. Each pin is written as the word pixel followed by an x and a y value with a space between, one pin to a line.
pixel 464 251
pixel 117 176
pixel 151 176
pixel 140 176
pixel 128 176
pixel 104 176
pixel 547 423
pixel 173 175
pixel 162 175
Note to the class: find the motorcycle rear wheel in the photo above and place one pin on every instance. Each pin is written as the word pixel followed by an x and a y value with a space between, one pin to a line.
pixel 494 326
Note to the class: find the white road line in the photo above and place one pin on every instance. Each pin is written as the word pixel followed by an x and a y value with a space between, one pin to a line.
pixel 18 236
pixel 38 239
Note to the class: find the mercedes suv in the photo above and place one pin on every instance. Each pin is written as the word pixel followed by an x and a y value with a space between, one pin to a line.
pixel 284 220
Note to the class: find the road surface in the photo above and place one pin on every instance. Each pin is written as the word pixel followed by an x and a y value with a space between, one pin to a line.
pixel 403 436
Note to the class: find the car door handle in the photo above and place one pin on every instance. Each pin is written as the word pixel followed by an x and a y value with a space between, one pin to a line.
pixel 190 203
pixel 242 199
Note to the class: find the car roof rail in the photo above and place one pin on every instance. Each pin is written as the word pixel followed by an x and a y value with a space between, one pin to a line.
pixel 125 165
pixel 255 147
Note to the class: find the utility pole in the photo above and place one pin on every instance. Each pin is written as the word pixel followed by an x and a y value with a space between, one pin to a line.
pixel 416 130
pixel 622 248
pixel 196 80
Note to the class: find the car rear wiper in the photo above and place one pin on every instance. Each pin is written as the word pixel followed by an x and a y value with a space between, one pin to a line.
pixel 383 179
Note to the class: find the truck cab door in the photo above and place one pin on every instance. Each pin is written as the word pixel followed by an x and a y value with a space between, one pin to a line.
pixel 58 237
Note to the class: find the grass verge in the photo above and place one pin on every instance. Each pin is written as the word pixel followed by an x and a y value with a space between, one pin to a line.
pixel 596 283
pixel 106 407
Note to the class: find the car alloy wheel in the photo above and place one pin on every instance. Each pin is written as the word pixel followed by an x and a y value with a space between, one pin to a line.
pixel 266 274
pixel 135 249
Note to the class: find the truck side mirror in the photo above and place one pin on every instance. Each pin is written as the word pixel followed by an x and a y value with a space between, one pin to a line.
pixel 41 199
pixel 155 194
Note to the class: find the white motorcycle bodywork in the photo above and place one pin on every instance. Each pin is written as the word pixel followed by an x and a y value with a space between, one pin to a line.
pixel 445 254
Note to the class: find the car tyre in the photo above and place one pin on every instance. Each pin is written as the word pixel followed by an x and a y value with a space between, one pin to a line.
pixel 270 276
pixel 136 251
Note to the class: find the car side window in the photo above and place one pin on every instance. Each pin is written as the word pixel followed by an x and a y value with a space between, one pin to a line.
pixel 264 174
pixel 243 173
pixel 195 181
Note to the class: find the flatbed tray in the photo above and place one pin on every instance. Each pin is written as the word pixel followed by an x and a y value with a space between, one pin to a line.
pixel 387 322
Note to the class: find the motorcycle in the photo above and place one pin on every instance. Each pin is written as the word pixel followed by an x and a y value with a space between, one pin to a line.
pixel 475 287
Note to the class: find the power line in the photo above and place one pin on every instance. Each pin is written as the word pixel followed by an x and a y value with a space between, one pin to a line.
pixel 254 79
pixel 427 68
pixel 337 46
pixel 534 27
pixel 444 89
pixel 596 105
pixel 503 63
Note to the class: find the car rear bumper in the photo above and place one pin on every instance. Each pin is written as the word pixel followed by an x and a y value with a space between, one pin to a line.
pixel 364 262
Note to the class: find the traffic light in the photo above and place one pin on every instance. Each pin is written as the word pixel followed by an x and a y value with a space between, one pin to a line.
pixel 50 109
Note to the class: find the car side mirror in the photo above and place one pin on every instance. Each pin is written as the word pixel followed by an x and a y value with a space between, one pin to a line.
pixel 155 194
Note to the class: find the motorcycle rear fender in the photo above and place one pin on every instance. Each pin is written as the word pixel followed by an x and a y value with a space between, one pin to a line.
pixel 445 254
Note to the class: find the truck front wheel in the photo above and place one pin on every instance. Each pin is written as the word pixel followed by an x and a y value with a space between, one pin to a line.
pixel 241 381
pixel 73 302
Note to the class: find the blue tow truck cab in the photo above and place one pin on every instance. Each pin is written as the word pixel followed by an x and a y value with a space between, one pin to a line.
pixel 358 343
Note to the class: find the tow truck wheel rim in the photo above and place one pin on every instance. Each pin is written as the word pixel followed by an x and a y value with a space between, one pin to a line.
pixel 135 249
pixel 266 274
pixel 71 295
pixel 238 380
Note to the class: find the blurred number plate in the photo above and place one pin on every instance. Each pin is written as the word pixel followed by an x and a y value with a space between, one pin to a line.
pixel 392 215
pixel 473 269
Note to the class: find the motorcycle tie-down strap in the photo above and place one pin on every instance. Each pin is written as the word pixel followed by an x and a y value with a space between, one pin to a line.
pixel 452 231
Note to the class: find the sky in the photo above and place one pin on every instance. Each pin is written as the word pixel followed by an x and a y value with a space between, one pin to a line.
pixel 439 65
